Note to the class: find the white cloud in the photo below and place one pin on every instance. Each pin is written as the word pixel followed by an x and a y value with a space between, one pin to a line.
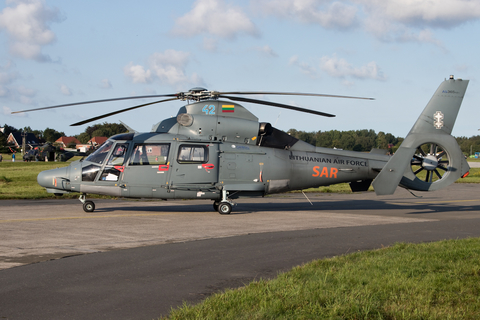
pixel 387 20
pixel 168 67
pixel 106 84
pixel 65 90
pixel 341 68
pixel 26 24
pixel 304 67
pixel 267 50
pixel 137 73
pixel 214 17
pixel 422 13
pixel 26 91
pixel 328 14
pixel 414 20
pixel 8 112
pixel 210 44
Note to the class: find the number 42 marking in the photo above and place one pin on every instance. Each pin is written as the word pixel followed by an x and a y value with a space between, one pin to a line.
pixel 209 109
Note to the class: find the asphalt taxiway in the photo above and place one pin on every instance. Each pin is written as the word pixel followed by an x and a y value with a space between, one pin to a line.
pixel 138 259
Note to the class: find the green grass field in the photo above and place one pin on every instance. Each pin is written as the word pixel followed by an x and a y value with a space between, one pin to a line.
pixel 438 280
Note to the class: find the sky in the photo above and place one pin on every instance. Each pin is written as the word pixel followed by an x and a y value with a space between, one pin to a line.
pixel 397 51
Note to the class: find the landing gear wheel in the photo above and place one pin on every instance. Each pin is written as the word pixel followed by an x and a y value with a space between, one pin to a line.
pixel 88 206
pixel 215 205
pixel 430 163
pixel 224 208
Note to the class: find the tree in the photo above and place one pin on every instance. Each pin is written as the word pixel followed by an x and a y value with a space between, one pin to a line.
pixel 101 130
pixel 51 135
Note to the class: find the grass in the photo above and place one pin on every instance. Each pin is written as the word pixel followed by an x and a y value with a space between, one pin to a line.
pixel 438 280
pixel 18 180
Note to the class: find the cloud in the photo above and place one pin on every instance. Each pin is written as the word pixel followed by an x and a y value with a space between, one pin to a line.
pixel 216 18
pixel 421 13
pixel 6 110
pixel 386 20
pixel 341 68
pixel 7 77
pixel 267 50
pixel 65 90
pixel 328 14
pixel 106 84
pixel 26 24
pixel 168 67
pixel 137 73
pixel 210 44
pixel 304 67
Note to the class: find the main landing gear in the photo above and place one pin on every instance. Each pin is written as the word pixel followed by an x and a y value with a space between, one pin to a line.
pixel 225 205
pixel 88 205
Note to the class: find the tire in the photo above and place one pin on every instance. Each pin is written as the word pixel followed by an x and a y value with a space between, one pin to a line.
pixel 224 208
pixel 88 206
pixel 215 205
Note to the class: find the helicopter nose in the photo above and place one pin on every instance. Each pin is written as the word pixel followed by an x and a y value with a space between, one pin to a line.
pixel 52 178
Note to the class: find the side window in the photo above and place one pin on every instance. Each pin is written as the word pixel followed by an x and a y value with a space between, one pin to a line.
pixel 192 154
pixel 149 154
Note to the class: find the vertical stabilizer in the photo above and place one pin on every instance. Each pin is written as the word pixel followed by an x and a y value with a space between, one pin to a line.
pixel 444 162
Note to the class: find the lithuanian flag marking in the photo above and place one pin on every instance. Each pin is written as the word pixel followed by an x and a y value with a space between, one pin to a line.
pixel 228 108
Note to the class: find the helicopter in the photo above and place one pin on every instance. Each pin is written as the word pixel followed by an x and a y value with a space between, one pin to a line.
pixel 49 152
pixel 218 150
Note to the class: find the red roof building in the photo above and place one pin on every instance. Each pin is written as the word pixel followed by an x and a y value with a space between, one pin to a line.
pixel 65 141
pixel 96 141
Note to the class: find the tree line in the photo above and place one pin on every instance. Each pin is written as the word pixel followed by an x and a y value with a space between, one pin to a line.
pixel 365 140
pixel 356 140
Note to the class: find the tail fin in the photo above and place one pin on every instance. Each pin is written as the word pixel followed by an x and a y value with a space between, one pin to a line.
pixel 429 158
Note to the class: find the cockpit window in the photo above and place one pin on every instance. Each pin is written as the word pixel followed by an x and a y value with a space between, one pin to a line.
pixel 118 155
pixel 99 155
pixel 90 172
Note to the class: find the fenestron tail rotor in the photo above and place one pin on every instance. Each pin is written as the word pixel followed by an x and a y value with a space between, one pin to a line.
pixel 199 94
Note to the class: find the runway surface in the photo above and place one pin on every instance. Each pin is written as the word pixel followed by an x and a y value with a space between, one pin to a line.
pixel 137 259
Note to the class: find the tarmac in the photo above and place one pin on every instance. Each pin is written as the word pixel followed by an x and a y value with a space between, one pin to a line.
pixel 137 259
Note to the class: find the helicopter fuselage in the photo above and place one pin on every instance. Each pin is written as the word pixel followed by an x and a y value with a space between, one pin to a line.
pixel 166 166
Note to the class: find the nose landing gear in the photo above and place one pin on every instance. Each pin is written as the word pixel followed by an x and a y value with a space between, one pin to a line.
pixel 88 205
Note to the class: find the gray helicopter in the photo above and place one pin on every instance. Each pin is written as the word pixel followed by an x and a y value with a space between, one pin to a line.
pixel 218 150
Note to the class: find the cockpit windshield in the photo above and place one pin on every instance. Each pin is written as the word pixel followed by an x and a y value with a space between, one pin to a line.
pixel 99 155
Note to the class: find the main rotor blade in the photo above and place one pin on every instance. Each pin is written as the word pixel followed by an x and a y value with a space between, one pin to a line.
pixel 274 104
pixel 117 112
pixel 97 101
pixel 292 94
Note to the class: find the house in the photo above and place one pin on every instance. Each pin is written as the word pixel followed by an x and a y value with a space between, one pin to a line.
pixel 92 143
pixel 65 141
pixel 16 138
pixel 97 141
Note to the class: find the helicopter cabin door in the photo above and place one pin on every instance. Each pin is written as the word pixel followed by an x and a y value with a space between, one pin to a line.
pixel 195 170
pixel 147 171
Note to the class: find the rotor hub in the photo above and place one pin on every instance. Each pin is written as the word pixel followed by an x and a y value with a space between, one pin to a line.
pixel 197 94
pixel 430 162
